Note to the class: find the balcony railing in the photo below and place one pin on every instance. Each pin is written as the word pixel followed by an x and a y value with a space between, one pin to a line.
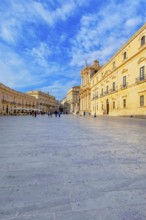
pixel 124 86
pixel 112 90
pixel 140 79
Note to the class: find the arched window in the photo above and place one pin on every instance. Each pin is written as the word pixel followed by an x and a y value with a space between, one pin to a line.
pixel 142 40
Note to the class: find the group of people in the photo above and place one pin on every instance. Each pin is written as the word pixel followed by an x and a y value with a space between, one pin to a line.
pixel 57 114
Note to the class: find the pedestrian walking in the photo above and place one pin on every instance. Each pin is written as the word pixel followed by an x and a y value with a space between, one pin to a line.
pixel 56 113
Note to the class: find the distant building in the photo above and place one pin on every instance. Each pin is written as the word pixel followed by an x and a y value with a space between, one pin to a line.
pixel 14 102
pixel 118 87
pixel 65 106
pixel 72 100
pixel 45 102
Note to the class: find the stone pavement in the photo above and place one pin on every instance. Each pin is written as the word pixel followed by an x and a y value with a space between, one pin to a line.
pixel 72 168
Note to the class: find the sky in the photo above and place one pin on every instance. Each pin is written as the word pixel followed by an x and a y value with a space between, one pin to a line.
pixel 44 44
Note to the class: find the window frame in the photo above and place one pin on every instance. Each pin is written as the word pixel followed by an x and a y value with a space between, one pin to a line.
pixel 107 88
pixel 142 40
pixel 114 86
pixel 124 103
pixel 142 101
pixel 141 73
pixel 124 81
pixel 124 55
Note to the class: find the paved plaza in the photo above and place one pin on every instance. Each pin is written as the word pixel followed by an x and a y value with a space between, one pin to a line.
pixel 72 168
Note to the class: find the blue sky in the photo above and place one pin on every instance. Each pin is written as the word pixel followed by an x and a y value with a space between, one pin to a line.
pixel 44 43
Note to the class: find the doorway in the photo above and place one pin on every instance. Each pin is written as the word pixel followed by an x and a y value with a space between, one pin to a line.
pixel 107 107
pixel 7 110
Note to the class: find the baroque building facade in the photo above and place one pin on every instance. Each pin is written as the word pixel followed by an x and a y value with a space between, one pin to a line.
pixel 118 87
pixel 85 89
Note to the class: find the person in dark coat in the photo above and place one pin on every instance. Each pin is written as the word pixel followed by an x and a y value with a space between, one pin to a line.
pixel 56 113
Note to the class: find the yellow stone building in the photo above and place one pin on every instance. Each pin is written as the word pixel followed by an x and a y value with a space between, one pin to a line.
pixel 118 87
pixel 85 89
pixel 65 106
pixel 45 102
pixel 72 99
pixel 13 102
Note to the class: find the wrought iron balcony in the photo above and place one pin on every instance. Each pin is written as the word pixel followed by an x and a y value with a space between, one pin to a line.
pixel 140 78
pixel 124 86
pixel 112 90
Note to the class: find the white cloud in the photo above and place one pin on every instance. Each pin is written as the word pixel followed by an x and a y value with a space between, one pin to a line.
pixel 14 71
pixel 101 34
pixel 58 88
pixel 132 22
pixel 51 17
pixel 20 12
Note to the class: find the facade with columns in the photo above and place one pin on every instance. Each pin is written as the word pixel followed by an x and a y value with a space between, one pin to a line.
pixel 85 89
pixel 72 99
pixel 119 87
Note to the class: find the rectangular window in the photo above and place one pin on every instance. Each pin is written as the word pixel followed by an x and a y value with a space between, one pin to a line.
pixel 107 89
pixel 97 107
pixel 142 100
pixel 124 81
pixel 124 55
pixel 113 86
pixel 114 65
pixel 102 92
pixel 124 103
pixel 102 106
pixel 142 40
pixel 142 73
pixel 114 105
